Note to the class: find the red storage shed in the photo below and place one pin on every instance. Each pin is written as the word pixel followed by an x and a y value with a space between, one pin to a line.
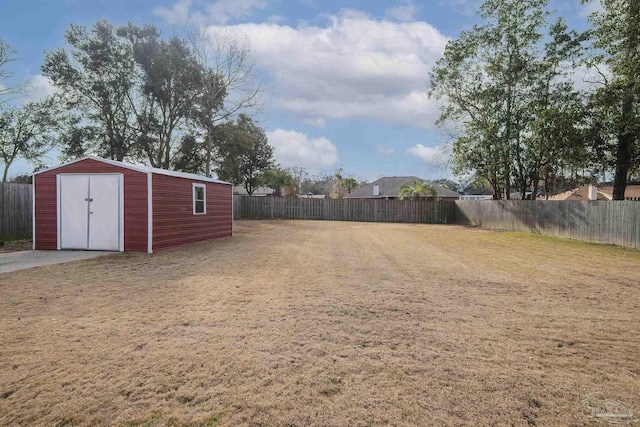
pixel 100 204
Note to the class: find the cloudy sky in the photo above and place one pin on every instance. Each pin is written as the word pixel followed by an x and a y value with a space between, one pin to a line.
pixel 346 81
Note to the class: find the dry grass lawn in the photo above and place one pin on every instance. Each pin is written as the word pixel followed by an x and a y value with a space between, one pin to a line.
pixel 325 324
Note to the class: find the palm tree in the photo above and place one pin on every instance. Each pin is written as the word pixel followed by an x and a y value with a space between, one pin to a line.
pixel 416 190
pixel 277 179
pixel 349 184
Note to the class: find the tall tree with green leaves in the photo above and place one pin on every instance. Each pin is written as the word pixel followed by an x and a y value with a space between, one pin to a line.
pixel 26 132
pixel 349 184
pixel 96 76
pixel 189 157
pixel 278 180
pixel 170 81
pixel 244 153
pixel 490 78
pixel 553 131
pixel 616 101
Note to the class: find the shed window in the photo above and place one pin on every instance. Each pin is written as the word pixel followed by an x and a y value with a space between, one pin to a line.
pixel 199 199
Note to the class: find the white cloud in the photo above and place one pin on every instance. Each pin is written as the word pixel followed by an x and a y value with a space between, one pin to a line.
pixel 217 12
pixel 430 156
pixel 38 87
pixel 292 148
pixel 355 67
pixel 405 11
pixel 179 13
pixel 589 79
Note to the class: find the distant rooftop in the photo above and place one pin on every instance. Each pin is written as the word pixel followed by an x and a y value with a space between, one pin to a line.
pixel 390 187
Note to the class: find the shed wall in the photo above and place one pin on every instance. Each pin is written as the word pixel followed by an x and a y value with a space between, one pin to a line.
pixel 135 204
pixel 174 223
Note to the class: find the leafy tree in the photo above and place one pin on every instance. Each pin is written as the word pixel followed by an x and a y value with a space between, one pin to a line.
pixel 552 136
pixel 508 96
pixel 244 153
pixel 341 185
pixel 170 82
pixel 417 190
pixel 96 75
pixel 22 179
pixel 25 132
pixel 349 184
pixel 72 137
pixel 316 185
pixel 278 179
pixel 189 156
pixel 615 103
pixel 300 176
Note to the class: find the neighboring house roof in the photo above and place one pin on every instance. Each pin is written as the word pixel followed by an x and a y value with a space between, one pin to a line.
pixel 604 193
pixel 260 191
pixel 144 169
pixel 390 187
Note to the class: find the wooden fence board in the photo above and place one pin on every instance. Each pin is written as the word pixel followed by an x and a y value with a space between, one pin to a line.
pixel 616 222
pixel 613 222
pixel 364 210
pixel 17 201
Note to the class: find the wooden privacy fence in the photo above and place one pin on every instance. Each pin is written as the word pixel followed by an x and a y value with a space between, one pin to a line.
pixel 366 210
pixel 16 211
pixel 613 222
pixel 616 222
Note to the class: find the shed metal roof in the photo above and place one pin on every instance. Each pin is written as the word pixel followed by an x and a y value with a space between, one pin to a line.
pixel 143 169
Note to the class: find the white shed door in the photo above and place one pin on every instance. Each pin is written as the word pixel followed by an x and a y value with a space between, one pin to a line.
pixel 74 211
pixel 90 212
pixel 104 218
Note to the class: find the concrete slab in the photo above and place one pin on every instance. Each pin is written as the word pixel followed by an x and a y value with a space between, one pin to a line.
pixel 14 261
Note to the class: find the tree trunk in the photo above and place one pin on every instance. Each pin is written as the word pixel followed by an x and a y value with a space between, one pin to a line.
pixel 534 188
pixel 623 160
pixel 209 148
pixel 623 153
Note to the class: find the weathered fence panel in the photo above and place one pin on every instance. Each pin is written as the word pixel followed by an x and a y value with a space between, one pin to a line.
pixel 16 205
pixel 613 222
pixel 237 207
pixel 364 210
pixel 616 222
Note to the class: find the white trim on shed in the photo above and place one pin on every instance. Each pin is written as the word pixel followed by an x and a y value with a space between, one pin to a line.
pixel 143 169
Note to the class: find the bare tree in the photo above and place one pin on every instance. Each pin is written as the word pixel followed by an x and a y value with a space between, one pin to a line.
pixel 232 85
pixel 7 55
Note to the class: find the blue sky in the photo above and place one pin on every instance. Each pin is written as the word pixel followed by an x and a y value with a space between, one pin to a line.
pixel 345 81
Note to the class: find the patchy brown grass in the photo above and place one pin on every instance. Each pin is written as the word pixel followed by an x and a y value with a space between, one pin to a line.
pixel 325 323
